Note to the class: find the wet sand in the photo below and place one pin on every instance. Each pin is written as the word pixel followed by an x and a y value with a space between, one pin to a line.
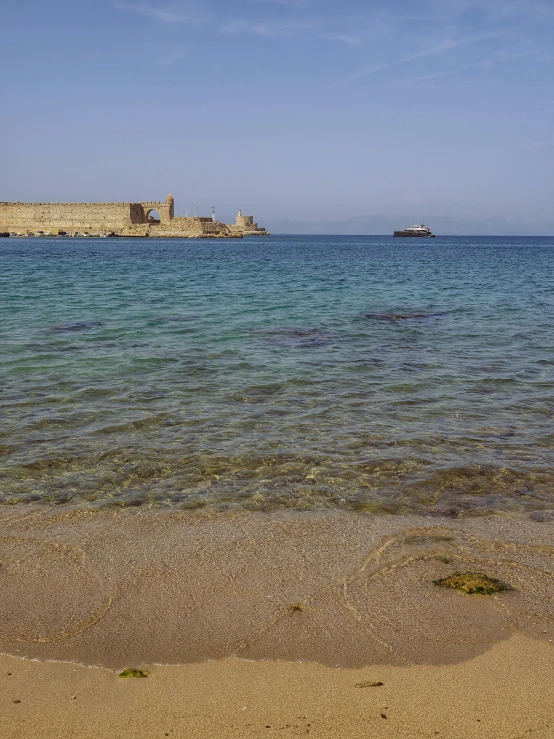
pixel 507 693
pixel 137 588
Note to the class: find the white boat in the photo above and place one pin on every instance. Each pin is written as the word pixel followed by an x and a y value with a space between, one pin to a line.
pixel 419 230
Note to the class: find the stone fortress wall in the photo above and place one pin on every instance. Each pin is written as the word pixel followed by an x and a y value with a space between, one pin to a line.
pixel 120 219
pixel 54 216
pixel 246 226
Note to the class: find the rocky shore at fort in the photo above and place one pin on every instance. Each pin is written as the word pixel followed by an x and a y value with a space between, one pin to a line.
pixel 146 219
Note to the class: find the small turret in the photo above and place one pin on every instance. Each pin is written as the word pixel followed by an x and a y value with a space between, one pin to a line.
pixel 245 225
pixel 244 222
pixel 170 206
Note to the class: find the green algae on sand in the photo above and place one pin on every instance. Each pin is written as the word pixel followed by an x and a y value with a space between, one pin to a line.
pixel 296 608
pixel 132 672
pixel 473 582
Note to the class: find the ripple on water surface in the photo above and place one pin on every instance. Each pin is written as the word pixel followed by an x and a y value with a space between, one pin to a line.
pixel 306 372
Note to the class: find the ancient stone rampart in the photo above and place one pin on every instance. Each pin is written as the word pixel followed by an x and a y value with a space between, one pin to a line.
pixel 150 218
pixel 191 227
pixel 82 217
pixel 68 216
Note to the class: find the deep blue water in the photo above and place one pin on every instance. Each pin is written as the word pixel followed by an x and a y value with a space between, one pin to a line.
pixel 366 373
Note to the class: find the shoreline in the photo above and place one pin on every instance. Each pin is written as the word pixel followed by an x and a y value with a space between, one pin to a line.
pixel 507 692
pixel 127 588
pixel 265 624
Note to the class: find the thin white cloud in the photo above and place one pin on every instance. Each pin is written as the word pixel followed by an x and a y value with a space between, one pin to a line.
pixel 282 29
pixel 256 29
pixel 491 62
pixel 444 46
pixel 516 14
pixel 345 38
pixel 165 13
pixel 306 29
pixel 194 12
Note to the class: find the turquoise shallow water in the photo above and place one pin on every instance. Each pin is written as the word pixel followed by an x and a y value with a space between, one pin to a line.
pixel 365 373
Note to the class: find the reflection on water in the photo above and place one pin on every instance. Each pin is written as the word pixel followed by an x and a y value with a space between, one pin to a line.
pixel 307 372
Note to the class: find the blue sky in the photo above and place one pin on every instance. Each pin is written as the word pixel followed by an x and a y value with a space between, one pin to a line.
pixel 297 111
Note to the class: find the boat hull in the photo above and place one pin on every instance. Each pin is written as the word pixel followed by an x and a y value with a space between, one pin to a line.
pixel 414 235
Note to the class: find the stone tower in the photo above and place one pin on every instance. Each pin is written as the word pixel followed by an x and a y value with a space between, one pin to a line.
pixel 244 222
pixel 170 204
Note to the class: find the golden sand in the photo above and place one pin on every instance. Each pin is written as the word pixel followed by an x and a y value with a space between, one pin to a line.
pixel 506 693
pixel 325 603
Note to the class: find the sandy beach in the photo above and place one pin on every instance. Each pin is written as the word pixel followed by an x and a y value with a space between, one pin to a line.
pixel 253 624
pixel 506 693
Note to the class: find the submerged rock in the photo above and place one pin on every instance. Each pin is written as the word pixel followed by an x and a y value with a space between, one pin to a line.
pixel 76 326
pixel 187 318
pixel 401 316
pixel 542 516
pixel 296 338
pixel 132 672
pixel 473 582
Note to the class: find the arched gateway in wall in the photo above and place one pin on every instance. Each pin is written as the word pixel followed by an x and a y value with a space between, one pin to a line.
pixel 148 212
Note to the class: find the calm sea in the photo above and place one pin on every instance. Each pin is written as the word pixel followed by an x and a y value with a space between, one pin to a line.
pixel 364 373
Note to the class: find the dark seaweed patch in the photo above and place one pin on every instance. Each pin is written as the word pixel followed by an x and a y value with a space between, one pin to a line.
pixel 181 319
pixel 473 582
pixel 394 316
pixel 258 393
pixel 296 608
pixel 542 516
pixel 76 326
pixel 132 672
pixel 298 338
